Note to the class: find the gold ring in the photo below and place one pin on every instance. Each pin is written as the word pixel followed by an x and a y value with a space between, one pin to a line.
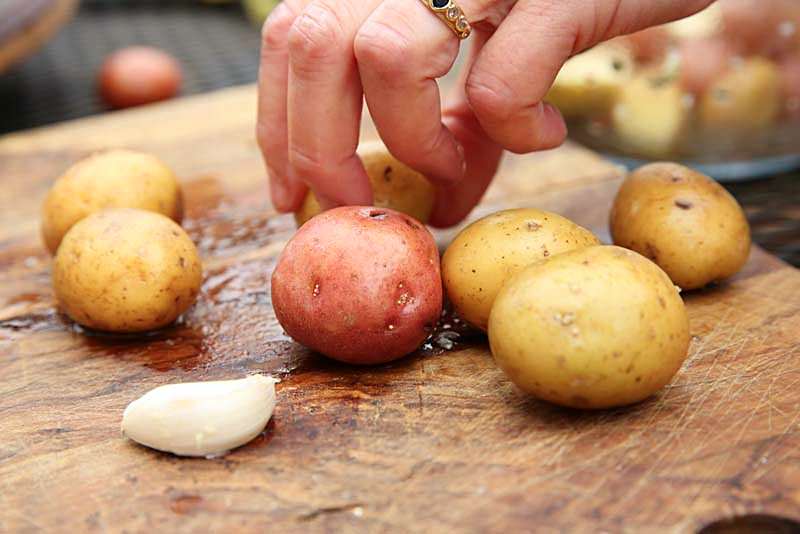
pixel 452 15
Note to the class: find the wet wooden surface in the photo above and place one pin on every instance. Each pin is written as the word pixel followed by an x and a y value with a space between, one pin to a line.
pixel 436 442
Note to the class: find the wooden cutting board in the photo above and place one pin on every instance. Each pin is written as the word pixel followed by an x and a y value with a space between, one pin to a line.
pixel 436 442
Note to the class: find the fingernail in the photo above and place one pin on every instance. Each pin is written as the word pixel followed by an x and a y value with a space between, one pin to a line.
pixel 462 154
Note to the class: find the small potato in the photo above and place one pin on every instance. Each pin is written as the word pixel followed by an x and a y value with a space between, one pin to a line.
pixel 359 284
pixel 651 115
pixel 702 25
pixel 684 221
pixel 126 270
pixel 394 185
pixel 747 97
pixel 489 251
pixel 756 27
pixel 703 62
pixel 748 24
pixel 589 83
pixel 138 75
pixel 790 84
pixel 592 328
pixel 649 45
pixel 111 179
pixel 785 41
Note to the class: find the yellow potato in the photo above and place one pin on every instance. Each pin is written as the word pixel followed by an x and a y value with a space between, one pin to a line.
pixel 489 251
pixel 589 83
pixel 702 25
pixel 684 221
pixel 394 185
pixel 112 179
pixel 592 328
pixel 747 97
pixel 651 115
pixel 126 270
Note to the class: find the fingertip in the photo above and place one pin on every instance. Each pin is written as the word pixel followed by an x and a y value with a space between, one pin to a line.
pixel 346 184
pixel 279 195
pixel 555 123
pixel 447 212
pixel 286 195
pixel 345 198
pixel 540 127
pixel 445 171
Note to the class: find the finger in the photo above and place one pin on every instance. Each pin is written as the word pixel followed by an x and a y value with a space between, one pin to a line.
pixel 519 63
pixel 483 155
pixel 506 93
pixel 271 126
pixel 612 18
pixel 325 100
pixel 401 49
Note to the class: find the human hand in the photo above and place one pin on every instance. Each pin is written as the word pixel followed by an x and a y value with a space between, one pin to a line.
pixel 321 58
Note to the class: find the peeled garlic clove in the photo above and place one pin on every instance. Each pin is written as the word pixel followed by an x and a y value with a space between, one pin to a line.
pixel 201 418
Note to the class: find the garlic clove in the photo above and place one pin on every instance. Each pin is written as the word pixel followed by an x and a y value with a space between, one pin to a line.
pixel 201 418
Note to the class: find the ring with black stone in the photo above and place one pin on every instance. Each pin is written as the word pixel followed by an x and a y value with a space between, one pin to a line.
pixel 452 15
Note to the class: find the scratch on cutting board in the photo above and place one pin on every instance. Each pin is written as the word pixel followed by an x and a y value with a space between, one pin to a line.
pixel 317 512
pixel 728 398
pixel 774 462
pixel 688 414
pixel 419 387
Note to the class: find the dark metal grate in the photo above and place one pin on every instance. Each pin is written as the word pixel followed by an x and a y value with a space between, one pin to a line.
pixel 216 45
pixel 773 209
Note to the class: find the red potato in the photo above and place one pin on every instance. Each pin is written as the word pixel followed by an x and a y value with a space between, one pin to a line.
pixel 785 38
pixel 790 83
pixel 760 27
pixel 138 75
pixel 747 24
pixel 650 44
pixel 703 61
pixel 359 284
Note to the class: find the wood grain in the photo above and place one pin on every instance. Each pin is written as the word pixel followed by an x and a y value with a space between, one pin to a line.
pixel 436 442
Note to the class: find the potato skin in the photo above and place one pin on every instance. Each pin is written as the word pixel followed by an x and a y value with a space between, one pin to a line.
pixel 126 270
pixel 593 328
pixel 394 185
pixel 110 179
pixel 359 284
pixel 684 221
pixel 650 116
pixel 489 251
pixel 138 75
pixel 590 83
pixel 703 62
pixel 746 97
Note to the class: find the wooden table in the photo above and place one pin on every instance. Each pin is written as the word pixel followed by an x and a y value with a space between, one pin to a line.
pixel 26 25
pixel 435 442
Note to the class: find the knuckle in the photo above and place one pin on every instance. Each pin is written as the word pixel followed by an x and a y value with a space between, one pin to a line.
pixel 306 165
pixel 275 30
pixel 383 49
pixel 490 97
pixel 316 35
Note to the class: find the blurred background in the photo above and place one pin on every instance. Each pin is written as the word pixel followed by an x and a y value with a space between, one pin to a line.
pixel 215 42
pixel 719 91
